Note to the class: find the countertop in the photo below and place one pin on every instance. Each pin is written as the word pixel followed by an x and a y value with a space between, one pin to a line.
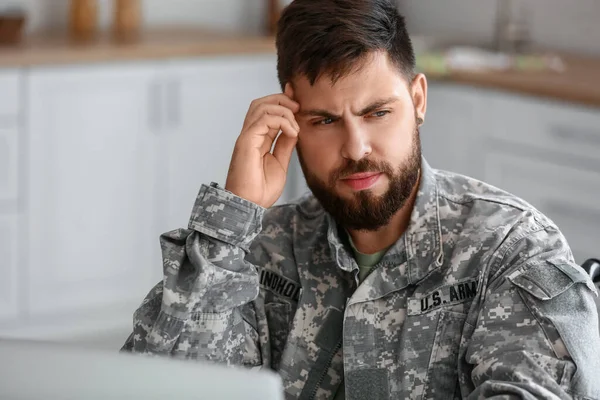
pixel 57 48
pixel 580 83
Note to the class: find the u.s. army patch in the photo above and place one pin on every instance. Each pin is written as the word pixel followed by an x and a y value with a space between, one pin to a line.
pixel 279 285
pixel 444 296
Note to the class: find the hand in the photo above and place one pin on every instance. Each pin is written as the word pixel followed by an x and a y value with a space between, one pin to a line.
pixel 255 173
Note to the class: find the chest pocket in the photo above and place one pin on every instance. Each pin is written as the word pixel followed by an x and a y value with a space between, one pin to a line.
pixel 281 296
pixel 435 326
pixel 430 352
pixel 442 373
pixel 279 319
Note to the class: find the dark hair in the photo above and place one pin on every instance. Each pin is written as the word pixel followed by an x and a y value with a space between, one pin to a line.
pixel 333 37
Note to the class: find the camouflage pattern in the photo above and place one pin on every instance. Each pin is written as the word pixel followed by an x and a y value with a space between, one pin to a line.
pixel 479 298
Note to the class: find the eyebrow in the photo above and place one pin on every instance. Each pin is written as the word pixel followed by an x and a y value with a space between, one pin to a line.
pixel 367 110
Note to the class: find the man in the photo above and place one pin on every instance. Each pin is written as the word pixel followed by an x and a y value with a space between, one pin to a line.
pixel 392 280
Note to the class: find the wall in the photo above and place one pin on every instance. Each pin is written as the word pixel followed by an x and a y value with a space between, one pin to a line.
pixel 557 24
pixel 237 15
pixel 565 25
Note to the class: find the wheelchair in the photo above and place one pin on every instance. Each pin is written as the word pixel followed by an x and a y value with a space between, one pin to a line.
pixel 592 267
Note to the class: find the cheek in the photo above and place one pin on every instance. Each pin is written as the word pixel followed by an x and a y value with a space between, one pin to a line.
pixel 392 139
pixel 317 142
pixel 399 133
pixel 320 156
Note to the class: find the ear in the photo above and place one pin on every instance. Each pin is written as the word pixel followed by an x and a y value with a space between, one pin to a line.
pixel 289 90
pixel 418 90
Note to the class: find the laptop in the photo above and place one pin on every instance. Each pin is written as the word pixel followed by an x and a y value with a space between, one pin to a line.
pixel 38 370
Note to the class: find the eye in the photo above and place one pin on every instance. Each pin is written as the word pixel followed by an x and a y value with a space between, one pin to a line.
pixel 326 121
pixel 380 114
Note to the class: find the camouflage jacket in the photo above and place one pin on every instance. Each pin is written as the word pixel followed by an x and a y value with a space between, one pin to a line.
pixel 479 298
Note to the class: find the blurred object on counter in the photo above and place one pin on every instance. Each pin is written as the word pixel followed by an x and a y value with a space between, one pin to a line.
pixel 472 59
pixel 83 19
pixel 12 22
pixel 273 14
pixel 513 20
pixel 127 19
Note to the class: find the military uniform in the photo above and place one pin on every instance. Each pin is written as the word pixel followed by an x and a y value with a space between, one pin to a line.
pixel 479 298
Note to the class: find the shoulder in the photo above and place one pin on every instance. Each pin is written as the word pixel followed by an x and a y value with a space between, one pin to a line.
pixel 472 196
pixel 505 227
pixel 483 207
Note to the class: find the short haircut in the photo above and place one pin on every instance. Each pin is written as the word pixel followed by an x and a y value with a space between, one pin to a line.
pixel 335 37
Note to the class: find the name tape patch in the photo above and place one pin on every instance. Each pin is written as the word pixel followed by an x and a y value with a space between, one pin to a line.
pixel 279 285
pixel 444 296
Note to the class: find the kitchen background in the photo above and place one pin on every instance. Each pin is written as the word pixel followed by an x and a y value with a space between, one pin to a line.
pixel 105 140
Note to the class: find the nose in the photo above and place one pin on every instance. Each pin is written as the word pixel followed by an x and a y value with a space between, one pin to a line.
pixel 357 144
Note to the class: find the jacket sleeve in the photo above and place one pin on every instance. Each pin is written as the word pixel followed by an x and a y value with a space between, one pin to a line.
pixel 208 306
pixel 536 335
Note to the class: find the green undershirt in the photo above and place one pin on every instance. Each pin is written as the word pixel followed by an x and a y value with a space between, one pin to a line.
pixel 365 263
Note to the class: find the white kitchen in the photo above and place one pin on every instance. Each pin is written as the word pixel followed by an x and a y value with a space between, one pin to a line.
pixel 106 135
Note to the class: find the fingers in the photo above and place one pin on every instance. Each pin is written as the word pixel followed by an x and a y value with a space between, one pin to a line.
pixel 284 149
pixel 274 99
pixel 267 127
pixel 267 117
pixel 272 109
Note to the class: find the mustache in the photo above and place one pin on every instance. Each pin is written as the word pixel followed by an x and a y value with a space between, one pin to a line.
pixel 365 165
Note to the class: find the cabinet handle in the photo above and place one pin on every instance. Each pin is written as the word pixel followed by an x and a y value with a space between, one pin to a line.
pixel 173 103
pixel 575 134
pixel 154 106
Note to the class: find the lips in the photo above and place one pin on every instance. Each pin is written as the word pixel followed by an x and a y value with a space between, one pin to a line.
pixel 362 181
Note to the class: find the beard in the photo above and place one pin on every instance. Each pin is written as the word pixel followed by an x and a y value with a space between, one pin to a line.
pixel 364 210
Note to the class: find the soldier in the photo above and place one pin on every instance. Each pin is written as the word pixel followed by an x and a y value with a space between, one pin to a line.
pixel 391 279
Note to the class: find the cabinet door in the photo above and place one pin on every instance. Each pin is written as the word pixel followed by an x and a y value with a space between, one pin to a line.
pixel 94 196
pixel 451 136
pixel 207 102
pixel 10 267
pixel 562 130
pixel 566 195
pixel 9 162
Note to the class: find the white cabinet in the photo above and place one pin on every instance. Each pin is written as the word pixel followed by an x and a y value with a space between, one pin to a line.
pixel 10 219
pixel 451 134
pixel 542 128
pixel 115 155
pixel 9 269
pixel 206 103
pixel 94 193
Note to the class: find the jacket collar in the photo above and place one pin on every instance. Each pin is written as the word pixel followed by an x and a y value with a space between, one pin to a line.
pixel 423 238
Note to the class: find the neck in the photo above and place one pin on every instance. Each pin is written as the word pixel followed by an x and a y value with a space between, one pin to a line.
pixel 369 242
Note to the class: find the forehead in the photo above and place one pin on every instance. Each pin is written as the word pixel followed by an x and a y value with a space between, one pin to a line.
pixel 373 79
